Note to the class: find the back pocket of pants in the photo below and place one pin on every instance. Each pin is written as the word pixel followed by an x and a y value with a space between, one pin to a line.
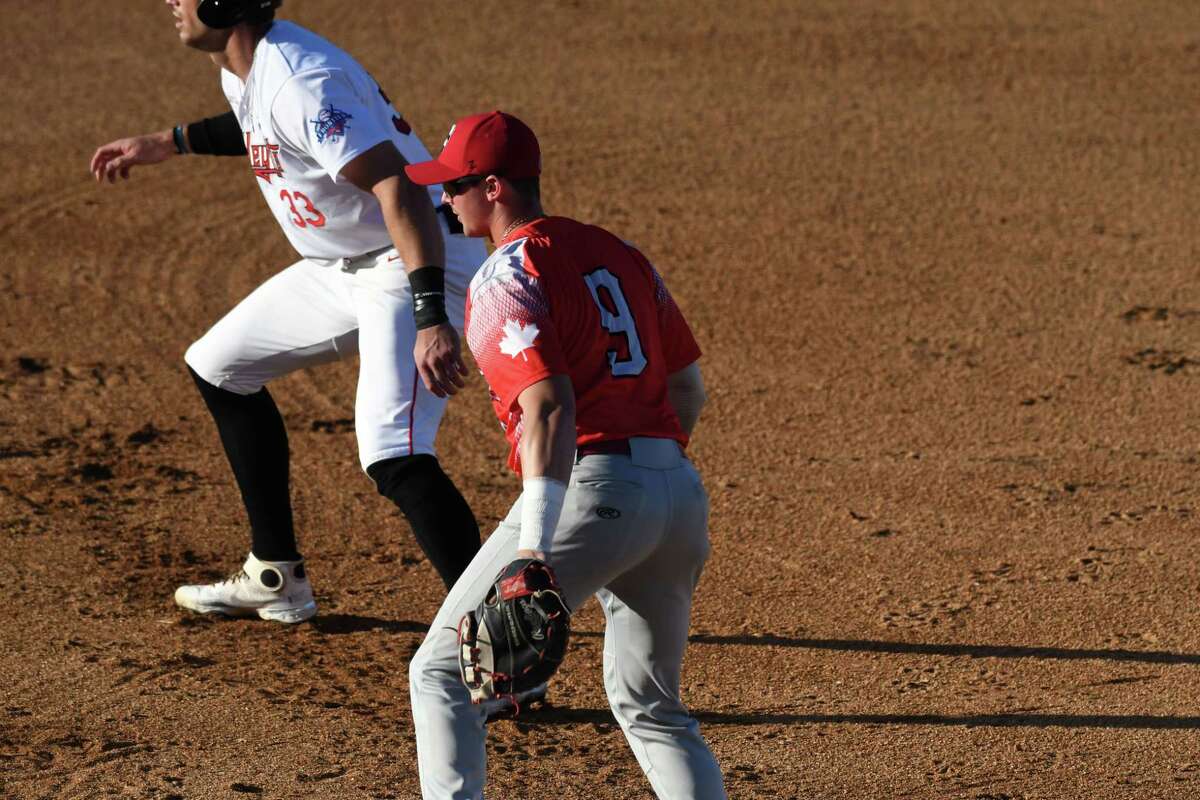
pixel 607 499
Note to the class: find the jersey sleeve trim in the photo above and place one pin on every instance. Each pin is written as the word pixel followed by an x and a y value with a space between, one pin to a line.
pixel 336 174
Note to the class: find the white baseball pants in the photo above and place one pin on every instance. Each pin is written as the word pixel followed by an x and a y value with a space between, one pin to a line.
pixel 643 566
pixel 311 314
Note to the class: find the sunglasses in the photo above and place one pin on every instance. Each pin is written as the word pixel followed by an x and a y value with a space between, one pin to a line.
pixel 457 187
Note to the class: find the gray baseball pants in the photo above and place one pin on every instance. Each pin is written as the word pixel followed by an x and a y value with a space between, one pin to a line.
pixel 642 563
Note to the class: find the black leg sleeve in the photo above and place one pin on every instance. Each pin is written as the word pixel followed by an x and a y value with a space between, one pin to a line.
pixel 255 442
pixel 440 518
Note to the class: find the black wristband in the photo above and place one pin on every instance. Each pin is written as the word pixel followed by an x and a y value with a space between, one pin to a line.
pixel 217 136
pixel 180 141
pixel 429 296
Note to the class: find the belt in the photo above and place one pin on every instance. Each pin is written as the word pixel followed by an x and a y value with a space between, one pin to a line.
pixel 350 263
pixel 611 447
pixel 361 261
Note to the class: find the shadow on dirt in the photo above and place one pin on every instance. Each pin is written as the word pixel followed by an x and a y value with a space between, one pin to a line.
pixel 917 648
pixel 966 720
pixel 603 719
pixel 972 650
pixel 350 623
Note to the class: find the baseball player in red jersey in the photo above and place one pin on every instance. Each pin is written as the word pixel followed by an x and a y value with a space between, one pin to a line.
pixel 380 274
pixel 593 376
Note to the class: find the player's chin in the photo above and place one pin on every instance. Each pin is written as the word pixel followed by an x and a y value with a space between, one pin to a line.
pixel 205 40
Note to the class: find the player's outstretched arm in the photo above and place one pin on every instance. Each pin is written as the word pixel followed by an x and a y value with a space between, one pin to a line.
pixel 412 223
pixel 117 158
pixel 216 136
pixel 685 392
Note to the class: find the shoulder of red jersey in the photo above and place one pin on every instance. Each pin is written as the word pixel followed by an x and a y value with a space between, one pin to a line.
pixel 507 263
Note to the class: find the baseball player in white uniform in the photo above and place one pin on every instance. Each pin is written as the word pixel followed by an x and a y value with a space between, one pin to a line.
pixel 381 274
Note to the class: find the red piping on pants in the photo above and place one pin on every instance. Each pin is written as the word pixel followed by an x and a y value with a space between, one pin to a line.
pixel 412 410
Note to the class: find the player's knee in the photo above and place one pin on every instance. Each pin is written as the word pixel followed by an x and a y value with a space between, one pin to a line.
pixel 430 670
pixel 206 363
pixel 222 401
pixel 198 362
pixel 406 480
pixel 418 668
pixel 203 384
pixel 652 712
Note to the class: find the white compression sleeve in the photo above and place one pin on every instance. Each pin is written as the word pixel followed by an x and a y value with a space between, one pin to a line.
pixel 541 506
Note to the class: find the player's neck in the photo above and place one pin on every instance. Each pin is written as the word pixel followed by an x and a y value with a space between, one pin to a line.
pixel 238 55
pixel 506 220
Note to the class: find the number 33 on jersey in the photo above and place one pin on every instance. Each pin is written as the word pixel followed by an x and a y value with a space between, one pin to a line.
pixel 307 109
pixel 563 298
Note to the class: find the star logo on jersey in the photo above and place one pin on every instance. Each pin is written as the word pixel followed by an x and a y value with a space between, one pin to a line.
pixel 264 159
pixel 518 338
pixel 331 124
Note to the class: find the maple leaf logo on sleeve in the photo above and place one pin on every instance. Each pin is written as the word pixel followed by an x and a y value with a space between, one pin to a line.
pixel 518 338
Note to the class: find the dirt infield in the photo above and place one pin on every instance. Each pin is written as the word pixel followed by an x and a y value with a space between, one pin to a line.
pixel 941 257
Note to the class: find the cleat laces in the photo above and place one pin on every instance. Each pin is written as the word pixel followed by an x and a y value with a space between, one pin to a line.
pixel 237 576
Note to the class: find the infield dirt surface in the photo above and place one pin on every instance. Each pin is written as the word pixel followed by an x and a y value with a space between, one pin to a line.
pixel 941 256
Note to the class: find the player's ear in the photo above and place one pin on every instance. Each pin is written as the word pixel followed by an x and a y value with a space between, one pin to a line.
pixel 495 188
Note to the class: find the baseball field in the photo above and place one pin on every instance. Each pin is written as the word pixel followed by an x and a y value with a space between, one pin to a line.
pixel 942 258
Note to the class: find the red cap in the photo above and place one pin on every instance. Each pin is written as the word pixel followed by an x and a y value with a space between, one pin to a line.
pixel 485 144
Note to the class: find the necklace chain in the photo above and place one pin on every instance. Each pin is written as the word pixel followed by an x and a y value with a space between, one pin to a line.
pixel 512 226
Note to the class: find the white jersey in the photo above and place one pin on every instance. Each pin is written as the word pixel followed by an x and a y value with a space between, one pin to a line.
pixel 306 109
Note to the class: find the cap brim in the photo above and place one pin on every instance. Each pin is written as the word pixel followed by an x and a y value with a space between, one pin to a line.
pixel 427 173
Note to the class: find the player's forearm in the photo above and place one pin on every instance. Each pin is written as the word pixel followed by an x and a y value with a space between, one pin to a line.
pixel 411 222
pixel 547 445
pixel 685 392
pixel 547 452
pixel 163 143
pixel 212 136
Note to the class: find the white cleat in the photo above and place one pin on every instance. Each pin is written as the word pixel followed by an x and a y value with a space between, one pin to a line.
pixel 274 590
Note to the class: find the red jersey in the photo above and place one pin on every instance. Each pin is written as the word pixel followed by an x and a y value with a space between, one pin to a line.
pixel 558 297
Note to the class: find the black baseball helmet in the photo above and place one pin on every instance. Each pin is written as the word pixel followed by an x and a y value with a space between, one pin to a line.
pixel 227 13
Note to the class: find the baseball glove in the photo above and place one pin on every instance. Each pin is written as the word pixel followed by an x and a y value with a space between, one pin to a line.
pixel 516 638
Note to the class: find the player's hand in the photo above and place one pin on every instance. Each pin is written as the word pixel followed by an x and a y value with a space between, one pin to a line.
pixel 537 554
pixel 117 158
pixel 439 359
